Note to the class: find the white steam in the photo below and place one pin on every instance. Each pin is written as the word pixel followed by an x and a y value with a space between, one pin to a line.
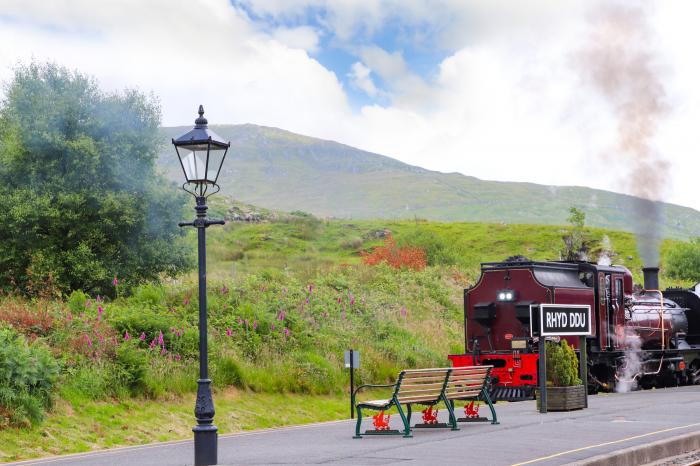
pixel 626 377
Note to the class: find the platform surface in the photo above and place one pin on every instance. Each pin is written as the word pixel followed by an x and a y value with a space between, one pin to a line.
pixel 612 422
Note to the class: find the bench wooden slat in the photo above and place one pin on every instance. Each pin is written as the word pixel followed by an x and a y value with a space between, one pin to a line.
pixel 411 375
pixel 415 399
pixel 424 377
pixel 433 393
pixel 460 395
pixel 406 386
pixel 466 380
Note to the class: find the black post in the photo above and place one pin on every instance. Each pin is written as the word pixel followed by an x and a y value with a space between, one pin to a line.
pixel 542 376
pixel 583 368
pixel 205 432
pixel 352 385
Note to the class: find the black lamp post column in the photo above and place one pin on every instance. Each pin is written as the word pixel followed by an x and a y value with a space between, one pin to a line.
pixel 201 153
pixel 205 432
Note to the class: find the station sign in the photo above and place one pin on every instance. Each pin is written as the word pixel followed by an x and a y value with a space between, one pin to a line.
pixel 352 359
pixel 560 319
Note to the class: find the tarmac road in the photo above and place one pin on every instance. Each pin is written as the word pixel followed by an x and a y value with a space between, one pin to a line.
pixel 612 422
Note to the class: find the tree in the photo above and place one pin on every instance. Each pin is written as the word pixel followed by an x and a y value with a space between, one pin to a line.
pixel 81 200
pixel 683 261
pixel 574 240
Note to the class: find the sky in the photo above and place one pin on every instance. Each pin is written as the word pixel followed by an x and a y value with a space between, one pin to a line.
pixel 538 91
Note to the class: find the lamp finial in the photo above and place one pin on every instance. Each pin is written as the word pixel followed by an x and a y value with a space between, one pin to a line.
pixel 201 122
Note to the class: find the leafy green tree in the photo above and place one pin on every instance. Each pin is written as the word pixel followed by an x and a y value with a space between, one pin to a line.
pixel 81 200
pixel 574 240
pixel 683 261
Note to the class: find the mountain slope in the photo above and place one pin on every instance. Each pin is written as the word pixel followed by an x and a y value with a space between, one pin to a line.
pixel 277 169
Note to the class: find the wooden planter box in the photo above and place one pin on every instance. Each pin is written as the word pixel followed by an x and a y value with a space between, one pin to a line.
pixel 564 398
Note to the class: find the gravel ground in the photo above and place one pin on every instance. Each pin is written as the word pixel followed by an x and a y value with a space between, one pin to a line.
pixel 687 459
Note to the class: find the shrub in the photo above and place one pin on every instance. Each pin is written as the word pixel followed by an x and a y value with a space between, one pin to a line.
pixel 28 318
pixel 227 371
pixel 683 261
pixel 562 365
pixel 134 366
pixel 27 375
pixel 396 256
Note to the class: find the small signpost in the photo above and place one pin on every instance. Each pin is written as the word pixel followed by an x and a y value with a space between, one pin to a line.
pixel 560 320
pixel 352 362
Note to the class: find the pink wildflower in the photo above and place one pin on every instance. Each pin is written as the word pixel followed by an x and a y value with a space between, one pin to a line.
pixel 272 327
pixel 311 288
pixel 286 332
pixel 240 321
pixel 99 318
pixel 100 310
pixel 224 289
pixel 69 317
pixel 163 351
pixel 307 301
pixel 142 337
pixel 98 299
pixel 115 282
pixel 352 300
pixel 88 341
pixel 177 357
pixel 88 303
pixel 284 290
pixel 126 336
pixel 186 301
pixel 255 324
pixel 160 338
pixel 179 333
pixel 153 344
pixel 404 311
pixel 281 315
pixel 229 332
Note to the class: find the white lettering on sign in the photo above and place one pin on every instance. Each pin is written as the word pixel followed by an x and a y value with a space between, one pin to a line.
pixel 564 319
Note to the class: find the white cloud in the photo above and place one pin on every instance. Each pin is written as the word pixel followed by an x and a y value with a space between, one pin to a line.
pixel 186 52
pixel 360 78
pixel 302 37
pixel 505 104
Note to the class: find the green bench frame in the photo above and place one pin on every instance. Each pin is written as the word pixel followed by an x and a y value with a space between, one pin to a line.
pixel 469 383
pixel 416 386
pixel 428 387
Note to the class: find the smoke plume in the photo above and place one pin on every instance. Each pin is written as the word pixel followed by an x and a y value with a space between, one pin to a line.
pixel 619 62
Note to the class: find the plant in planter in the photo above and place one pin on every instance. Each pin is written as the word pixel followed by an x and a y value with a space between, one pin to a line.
pixel 565 392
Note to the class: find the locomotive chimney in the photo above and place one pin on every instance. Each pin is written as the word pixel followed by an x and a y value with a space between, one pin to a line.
pixel 651 278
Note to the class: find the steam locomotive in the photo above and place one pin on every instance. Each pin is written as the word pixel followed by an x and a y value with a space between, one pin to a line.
pixel 640 337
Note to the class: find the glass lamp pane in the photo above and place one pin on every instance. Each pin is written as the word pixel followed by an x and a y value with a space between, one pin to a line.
pixel 194 165
pixel 216 157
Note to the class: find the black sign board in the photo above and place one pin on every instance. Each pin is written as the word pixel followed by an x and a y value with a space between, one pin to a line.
pixel 560 319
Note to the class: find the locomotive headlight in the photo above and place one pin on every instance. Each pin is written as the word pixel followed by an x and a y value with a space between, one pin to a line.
pixel 505 295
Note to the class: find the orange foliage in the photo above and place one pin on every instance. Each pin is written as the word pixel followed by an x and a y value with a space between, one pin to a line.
pixel 396 256
pixel 32 319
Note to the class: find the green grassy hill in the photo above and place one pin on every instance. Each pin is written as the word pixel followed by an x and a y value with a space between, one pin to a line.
pixel 277 169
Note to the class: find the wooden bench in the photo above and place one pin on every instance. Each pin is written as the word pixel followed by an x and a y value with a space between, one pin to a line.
pixel 417 386
pixel 469 383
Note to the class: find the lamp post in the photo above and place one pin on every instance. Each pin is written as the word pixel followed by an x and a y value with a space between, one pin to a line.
pixel 201 153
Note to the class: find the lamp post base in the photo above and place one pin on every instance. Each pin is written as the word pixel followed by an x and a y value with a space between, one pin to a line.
pixel 205 445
